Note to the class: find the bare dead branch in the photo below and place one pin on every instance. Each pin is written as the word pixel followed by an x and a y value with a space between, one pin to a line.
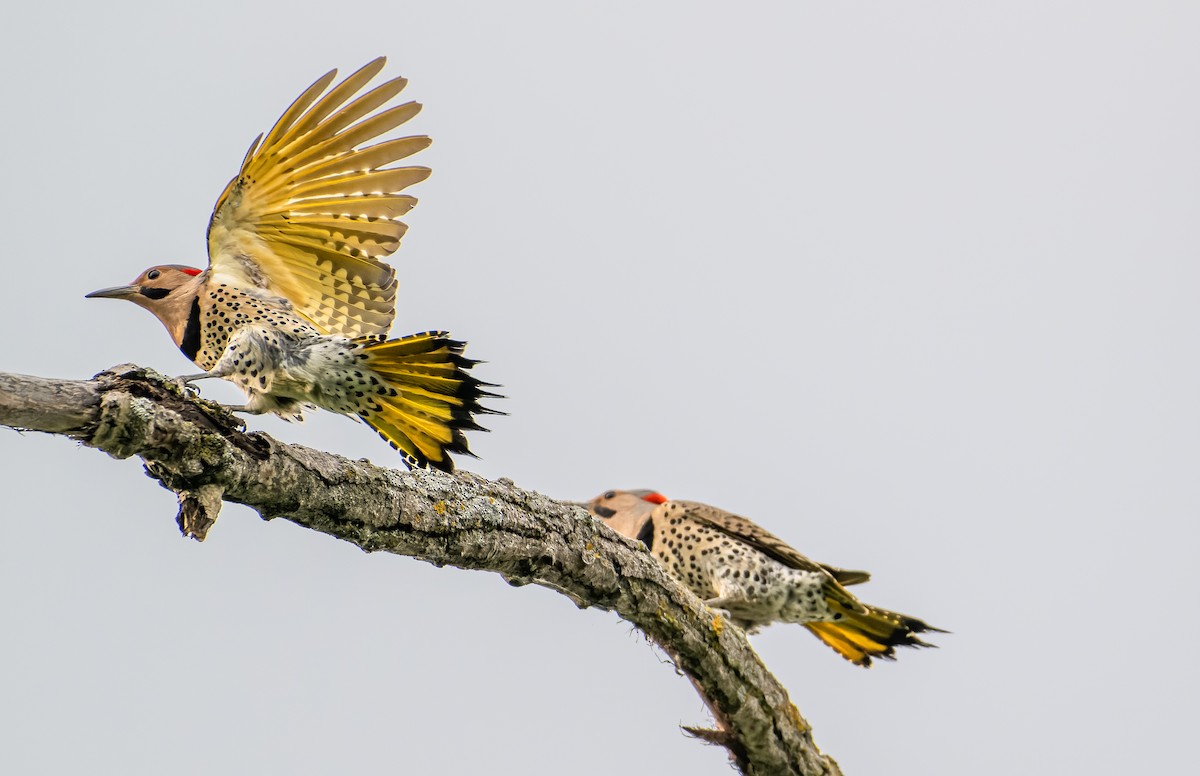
pixel 199 451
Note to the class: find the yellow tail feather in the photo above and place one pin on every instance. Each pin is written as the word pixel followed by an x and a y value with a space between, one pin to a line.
pixel 859 636
pixel 427 399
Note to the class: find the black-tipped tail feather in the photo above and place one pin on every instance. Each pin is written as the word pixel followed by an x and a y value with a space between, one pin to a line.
pixel 859 636
pixel 427 399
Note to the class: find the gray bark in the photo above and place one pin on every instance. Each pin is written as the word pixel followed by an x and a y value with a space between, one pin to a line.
pixel 199 451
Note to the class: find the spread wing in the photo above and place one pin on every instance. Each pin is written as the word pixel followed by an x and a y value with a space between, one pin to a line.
pixel 311 215
pixel 766 542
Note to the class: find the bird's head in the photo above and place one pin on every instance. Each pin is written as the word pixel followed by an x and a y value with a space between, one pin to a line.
pixel 167 290
pixel 625 511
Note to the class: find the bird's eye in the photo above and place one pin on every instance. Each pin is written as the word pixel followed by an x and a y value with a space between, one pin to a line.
pixel 153 274
pixel 609 494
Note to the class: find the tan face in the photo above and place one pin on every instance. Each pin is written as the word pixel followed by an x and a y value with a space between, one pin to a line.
pixel 152 285
pixel 625 511
pixel 166 290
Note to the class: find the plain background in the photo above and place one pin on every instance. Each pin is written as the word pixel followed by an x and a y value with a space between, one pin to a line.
pixel 911 284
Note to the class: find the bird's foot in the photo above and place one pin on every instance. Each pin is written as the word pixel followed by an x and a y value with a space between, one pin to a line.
pixel 246 408
pixel 189 379
pixel 184 384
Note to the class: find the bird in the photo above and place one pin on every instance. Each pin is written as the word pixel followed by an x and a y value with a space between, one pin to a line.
pixel 296 301
pixel 734 565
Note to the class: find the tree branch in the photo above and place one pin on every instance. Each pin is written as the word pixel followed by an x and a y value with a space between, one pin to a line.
pixel 198 450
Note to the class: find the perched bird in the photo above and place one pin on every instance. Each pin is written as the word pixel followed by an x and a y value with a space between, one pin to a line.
pixel 756 577
pixel 296 299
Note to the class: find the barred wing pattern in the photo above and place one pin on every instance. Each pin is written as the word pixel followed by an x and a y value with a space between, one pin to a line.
pixel 769 544
pixel 311 215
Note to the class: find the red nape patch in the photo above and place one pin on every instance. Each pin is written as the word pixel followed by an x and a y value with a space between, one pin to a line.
pixel 190 271
pixel 655 498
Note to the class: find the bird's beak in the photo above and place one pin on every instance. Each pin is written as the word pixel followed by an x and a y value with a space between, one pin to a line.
pixel 116 292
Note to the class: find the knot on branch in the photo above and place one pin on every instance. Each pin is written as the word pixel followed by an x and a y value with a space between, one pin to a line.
pixel 145 413
pixel 123 423
pixel 198 510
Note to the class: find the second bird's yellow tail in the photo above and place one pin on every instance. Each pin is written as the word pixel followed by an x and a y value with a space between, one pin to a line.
pixel 859 636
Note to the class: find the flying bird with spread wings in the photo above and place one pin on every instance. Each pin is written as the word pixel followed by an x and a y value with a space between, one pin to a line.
pixel 296 302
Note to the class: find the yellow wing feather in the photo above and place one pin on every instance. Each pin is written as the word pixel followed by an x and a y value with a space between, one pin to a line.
pixel 311 216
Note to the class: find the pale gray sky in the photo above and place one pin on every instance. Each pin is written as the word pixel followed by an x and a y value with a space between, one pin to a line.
pixel 913 285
